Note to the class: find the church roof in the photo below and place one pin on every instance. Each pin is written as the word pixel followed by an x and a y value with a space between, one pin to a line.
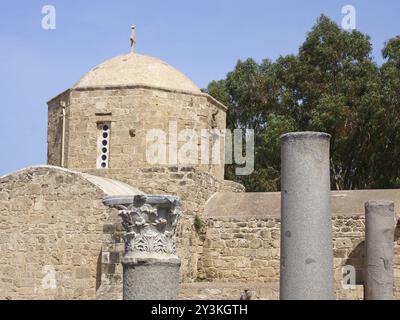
pixel 134 69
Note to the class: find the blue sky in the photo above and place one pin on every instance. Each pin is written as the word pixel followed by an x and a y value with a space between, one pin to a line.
pixel 204 39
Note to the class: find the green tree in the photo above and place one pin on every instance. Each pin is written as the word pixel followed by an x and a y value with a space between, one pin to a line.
pixel 331 85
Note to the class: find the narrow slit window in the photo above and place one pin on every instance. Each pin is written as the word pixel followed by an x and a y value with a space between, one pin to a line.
pixel 103 144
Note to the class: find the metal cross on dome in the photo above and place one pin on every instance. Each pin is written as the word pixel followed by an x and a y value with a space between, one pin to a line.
pixel 133 38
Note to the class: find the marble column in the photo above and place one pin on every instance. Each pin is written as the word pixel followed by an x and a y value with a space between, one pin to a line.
pixel 306 271
pixel 150 264
pixel 379 250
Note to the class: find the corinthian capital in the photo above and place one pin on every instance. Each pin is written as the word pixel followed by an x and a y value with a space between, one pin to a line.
pixel 149 220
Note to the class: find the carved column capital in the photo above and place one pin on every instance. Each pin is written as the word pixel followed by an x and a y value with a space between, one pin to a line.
pixel 149 220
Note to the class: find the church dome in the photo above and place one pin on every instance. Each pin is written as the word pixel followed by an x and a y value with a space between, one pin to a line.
pixel 134 69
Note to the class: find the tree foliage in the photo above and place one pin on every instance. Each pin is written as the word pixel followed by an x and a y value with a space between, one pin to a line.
pixel 332 85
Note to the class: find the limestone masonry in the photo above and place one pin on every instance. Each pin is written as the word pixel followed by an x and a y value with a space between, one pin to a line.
pixel 59 240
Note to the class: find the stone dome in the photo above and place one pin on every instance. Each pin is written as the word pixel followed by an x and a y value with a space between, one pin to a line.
pixel 134 69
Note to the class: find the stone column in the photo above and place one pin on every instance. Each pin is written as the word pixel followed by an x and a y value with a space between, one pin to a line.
pixel 150 264
pixel 306 271
pixel 379 250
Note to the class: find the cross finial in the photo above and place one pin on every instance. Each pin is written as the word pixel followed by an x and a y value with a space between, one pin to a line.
pixel 133 38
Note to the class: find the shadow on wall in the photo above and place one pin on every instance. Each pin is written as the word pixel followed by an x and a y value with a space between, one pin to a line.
pixel 356 259
pixel 98 271
pixel 356 256
pixel 397 231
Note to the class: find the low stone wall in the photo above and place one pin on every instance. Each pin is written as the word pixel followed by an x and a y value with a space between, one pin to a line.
pixel 194 187
pixel 240 250
pixel 220 290
pixel 51 233
pixel 244 248
pixel 47 215
pixel 58 240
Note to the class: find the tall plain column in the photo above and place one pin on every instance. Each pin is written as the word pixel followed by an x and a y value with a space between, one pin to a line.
pixel 306 271
pixel 379 250
pixel 150 264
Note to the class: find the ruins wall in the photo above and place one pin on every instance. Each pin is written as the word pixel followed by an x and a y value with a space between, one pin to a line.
pixel 194 188
pixel 243 246
pixel 51 233
pixel 53 220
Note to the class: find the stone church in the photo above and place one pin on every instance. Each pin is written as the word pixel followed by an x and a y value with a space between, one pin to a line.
pixel 60 241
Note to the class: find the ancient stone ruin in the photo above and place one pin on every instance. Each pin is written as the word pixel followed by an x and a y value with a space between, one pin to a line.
pixel 151 266
pixel 63 225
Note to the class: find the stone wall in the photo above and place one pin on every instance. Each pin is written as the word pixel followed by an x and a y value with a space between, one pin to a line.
pixel 193 186
pixel 240 250
pixel 51 233
pixel 132 112
pixel 59 241
pixel 67 231
pixel 244 248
